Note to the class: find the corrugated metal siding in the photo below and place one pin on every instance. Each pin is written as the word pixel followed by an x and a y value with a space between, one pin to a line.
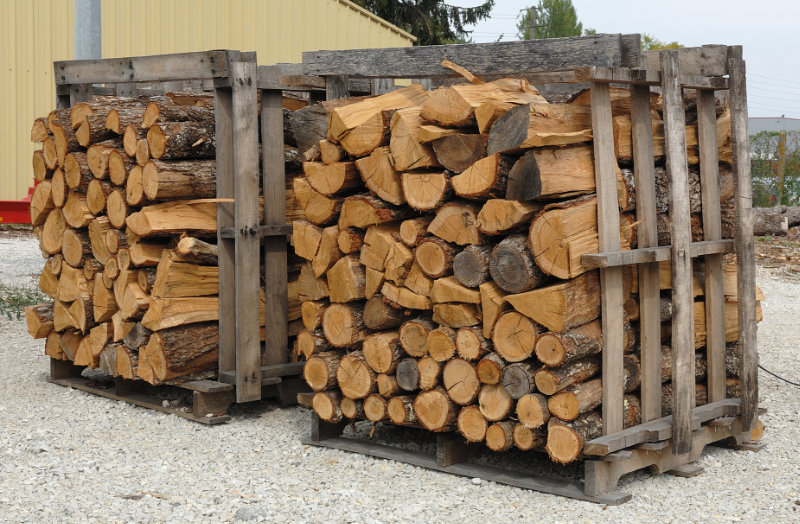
pixel 37 32
pixel 34 34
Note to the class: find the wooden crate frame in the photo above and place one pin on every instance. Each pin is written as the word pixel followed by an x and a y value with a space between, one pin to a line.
pixel 669 443
pixel 233 76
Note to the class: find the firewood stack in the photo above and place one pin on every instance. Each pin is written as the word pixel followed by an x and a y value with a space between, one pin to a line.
pixel 443 284
pixel 125 214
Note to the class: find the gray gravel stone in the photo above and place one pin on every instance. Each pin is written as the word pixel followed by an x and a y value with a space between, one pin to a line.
pixel 69 456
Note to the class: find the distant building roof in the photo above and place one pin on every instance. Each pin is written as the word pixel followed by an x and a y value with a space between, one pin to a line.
pixel 777 123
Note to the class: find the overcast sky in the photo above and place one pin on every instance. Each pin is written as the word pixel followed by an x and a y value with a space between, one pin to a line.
pixel 768 30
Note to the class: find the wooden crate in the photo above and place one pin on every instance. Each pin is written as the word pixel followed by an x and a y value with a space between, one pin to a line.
pixel 242 233
pixel 669 443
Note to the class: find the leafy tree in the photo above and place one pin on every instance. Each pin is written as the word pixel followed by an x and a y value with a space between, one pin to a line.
pixel 649 43
pixel 431 21
pixel 764 161
pixel 554 18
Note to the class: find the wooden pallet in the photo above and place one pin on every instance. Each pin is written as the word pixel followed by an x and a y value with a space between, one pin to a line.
pixel 600 477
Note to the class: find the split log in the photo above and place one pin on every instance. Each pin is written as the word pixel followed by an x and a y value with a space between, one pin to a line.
pixel 329 152
pixel 486 178
pixel 343 325
pixel 532 410
pixel 320 369
pixel 135 302
pixel 179 279
pixel 142 151
pixel 490 368
pixel 39 319
pixel 379 175
pixel 499 216
pixel 75 246
pixel 58 188
pixel 183 350
pixel 170 312
pixel 405 297
pixel 332 179
pixel 97 158
pixel 431 132
pixel 69 342
pixel 311 287
pixel 350 240
pixel 120 118
pixel 472 424
pixel 193 217
pixel 413 230
pixel 408 153
pixel 76 170
pixel 447 289
pixel 39 131
pixel 131 138
pixel 97 196
pixel 460 379
pixel 92 129
pixel 387 385
pixel 72 284
pixel 137 337
pixel 418 282
pixel 368 135
pixel 348 116
pixel 435 410
pixel 457 152
pixel 456 222
pixel 310 343
pixel 306 238
pixel 346 280
pixel 311 312
pixel 328 253
pixel 426 190
pixel 97 238
pixel 382 351
pixel 104 303
pixel 120 327
pixel 126 361
pixel 76 210
pixel 494 401
pixel 493 304
pixel 179 140
pixel 355 378
pixel 41 203
pixel 365 210
pixel 561 306
pixel 552 380
pixel 374 282
pixel 456 315
pixel 455 106
pixel 514 336
pixel 538 125
pixel 40 170
pixel 552 173
pixel 48 282
pixel 179 179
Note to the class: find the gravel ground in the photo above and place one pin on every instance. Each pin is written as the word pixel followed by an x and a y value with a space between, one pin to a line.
pixel 68 456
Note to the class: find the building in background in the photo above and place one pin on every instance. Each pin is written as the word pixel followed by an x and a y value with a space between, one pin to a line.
pixel 775 124
pixel 37 32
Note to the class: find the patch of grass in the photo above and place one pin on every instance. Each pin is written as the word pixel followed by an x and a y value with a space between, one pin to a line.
pixel 13 300
pixel 790 243
pixel 766 238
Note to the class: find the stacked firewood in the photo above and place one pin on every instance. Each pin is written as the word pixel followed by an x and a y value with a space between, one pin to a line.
pixel 126 216
pixel 444 285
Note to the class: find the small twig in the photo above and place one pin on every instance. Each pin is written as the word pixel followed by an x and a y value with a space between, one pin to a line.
pixel 461 71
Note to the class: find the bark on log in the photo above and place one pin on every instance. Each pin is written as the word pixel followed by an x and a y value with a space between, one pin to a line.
pixel 188 179
pixel 181 140
pixel 457 152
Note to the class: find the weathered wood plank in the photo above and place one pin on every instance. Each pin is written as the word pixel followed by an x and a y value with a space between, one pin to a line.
pixel 745 253
pixel 605 166
pixel 156 68
pixel 622 75
pixel 681 232
pixel 511 58
pixel 226 245
pixel 246 222
pixel 708 60
pixel 273 176
pixel 336 87
pixel 646 255
pixel 712 230
pixel 647 234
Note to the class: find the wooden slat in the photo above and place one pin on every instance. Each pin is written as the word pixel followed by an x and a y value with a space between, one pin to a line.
pixel 246 222
pixel 745 254
pixel 646 255
pixel 659 429
pixel 270 373
pixel 610 278
pixel 226 245
pixel 336 87
pixel 681 232
pixel 156 68
pixel 647 236
pixel 708 60
pixel 622 75
pixel 273 176
pixel 264 231
pixel 511 58
pixel 712 230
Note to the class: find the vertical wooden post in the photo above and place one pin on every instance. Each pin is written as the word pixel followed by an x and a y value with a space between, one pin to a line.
pixel 226 246
pixel 80 93
pixel 680 230
pixel 337 87
pixel 605 169
pixel 273 182
pixel 712 230
pixel 745 253
pixel 246 222
pixel 647 236
pixel 379 86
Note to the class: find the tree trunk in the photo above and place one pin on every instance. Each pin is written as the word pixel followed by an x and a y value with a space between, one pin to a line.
pixel 326 406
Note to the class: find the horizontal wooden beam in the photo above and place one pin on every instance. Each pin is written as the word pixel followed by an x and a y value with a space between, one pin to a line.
pixel 499 58
pixel 647 255
pixel 707 60
pixel 292 78
pixel 264 231
pixel 155 68
pixel 659 429
pixel 269 374
pixel 624 75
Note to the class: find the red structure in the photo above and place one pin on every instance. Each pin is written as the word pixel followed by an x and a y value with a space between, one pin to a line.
pixel 16 211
